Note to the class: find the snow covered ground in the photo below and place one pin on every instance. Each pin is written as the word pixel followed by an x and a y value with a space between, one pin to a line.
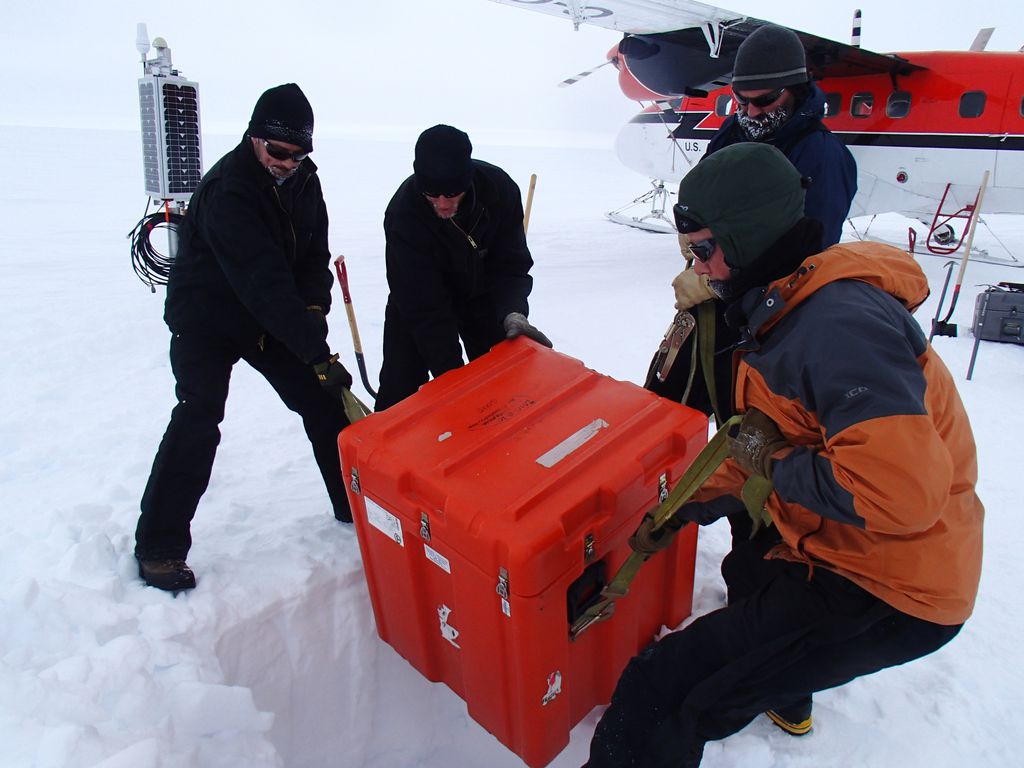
pixel 274 660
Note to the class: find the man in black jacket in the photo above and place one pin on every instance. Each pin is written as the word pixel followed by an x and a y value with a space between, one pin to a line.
pixel 777 104
pixel 457 265
pixel 251 281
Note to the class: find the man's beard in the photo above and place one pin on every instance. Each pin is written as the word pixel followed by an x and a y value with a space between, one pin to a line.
pixel 764 125
pixel 724 288
pixel 283 175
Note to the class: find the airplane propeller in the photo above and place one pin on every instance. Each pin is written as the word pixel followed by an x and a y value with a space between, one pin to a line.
pixel 982 38
pixel 585 73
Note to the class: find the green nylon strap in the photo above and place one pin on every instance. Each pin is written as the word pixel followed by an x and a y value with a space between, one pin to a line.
pixel 706 462
pixel 755 493
pixel 693 370
pixel 355 409
pixel 706 339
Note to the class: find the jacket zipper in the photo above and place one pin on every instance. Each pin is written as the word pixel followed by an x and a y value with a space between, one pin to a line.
pixel 465 234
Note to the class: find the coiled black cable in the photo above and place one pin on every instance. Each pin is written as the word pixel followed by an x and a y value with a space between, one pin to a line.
pixel 151 266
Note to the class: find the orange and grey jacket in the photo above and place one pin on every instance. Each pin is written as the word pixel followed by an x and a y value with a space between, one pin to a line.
pixel 879 486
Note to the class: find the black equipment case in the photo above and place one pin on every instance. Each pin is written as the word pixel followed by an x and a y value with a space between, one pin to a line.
pixel 999 313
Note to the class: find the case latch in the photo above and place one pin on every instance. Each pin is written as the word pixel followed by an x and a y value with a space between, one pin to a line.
pixel 588 549
pixel 502 588
pixel 503 591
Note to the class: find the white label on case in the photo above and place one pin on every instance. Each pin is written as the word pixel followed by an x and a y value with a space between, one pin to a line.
pixel 571 443
pixel 437 559
pixel 448 632
pixel 554 682
pixel 384 521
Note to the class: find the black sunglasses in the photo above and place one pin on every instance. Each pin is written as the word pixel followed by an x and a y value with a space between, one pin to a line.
pixel 685 225
pixel 759 101
pixel 448 195
pixel 283 154
pixel 703 250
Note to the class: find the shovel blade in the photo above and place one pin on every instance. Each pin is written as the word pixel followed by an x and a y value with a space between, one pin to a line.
pixel 942 328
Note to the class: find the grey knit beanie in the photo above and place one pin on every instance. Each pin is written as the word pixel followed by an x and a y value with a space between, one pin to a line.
pixel 748 194
pixel 771 57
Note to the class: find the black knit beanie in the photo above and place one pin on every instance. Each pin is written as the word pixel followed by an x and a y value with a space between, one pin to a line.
pixel 283 114
pixel 771 57
pixel 748 194
pixel 443 164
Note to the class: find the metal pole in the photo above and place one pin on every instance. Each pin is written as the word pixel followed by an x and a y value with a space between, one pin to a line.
pixel 978 326
pixel 172 233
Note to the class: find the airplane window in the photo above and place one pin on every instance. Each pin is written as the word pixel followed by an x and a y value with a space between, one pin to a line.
pixel 724 105
pixel 972 104
pixel 898 104
pixel 833 104
pixel 861 104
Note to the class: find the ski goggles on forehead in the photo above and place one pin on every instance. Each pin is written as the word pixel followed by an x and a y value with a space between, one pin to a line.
pixel 280 153
pixel 684 224
pixel 759 101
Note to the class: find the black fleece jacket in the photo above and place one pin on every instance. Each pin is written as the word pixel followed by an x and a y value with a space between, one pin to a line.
pixel 252 256
pixel 438 268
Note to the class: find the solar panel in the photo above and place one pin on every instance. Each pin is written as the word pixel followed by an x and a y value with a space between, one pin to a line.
pixel 172 158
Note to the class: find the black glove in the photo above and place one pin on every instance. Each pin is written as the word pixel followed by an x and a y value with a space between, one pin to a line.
pixel 755 441
pixel 317 313
pixel 516 324
pixel 332 376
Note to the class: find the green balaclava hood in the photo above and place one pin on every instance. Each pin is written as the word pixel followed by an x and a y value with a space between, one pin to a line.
pixel 748 195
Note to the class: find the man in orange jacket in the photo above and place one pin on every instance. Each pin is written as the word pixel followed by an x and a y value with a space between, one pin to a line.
pixel 855 424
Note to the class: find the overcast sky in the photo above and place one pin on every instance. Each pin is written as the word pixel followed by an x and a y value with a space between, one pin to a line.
pixel 390 67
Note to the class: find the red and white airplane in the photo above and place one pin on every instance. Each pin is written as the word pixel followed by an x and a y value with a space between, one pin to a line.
pixel 923 127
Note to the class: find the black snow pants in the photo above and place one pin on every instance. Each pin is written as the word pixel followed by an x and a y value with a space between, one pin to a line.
pixel 406 368
pixel 788 637
pixel 202 363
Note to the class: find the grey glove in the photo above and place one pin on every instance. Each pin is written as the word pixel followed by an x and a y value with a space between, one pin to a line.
pixel 648 541
pixel 516 324
pixel 755 441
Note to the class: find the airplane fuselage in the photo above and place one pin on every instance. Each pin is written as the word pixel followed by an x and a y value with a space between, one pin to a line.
pixel 912 134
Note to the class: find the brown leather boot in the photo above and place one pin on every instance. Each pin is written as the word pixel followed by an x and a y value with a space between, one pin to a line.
pixel 169 575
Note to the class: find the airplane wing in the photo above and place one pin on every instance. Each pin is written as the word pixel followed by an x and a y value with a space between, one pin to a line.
pixel 637 17
pixel 680 47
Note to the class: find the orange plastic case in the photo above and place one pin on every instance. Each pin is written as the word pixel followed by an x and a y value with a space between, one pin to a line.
pixel 491 505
